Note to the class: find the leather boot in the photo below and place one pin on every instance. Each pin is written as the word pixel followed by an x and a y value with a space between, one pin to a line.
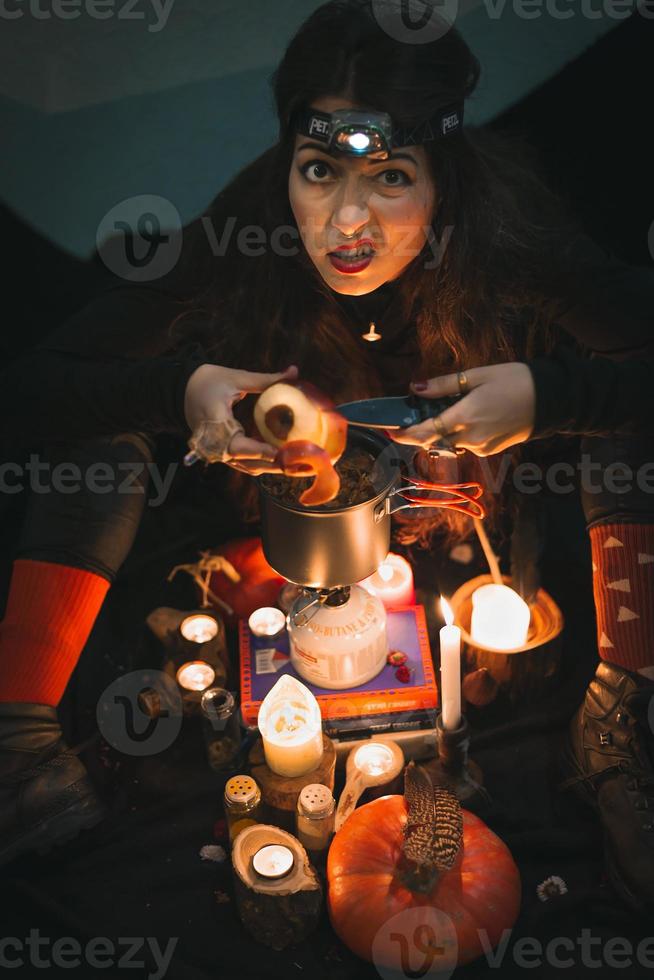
pixel 609 756
pixel 46 796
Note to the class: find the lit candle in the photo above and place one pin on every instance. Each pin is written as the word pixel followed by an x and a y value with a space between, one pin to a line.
pixel 374 759
pixel 450 643
pixel 392 582
pixel 500 617
pixel 196 676
pixel 372 764
pixel 273 861
pixel 291 728
pixel 267 621
pixel 199 628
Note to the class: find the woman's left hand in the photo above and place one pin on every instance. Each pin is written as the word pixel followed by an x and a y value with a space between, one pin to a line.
pixel 497 412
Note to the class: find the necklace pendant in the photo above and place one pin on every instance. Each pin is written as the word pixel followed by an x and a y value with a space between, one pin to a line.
pixel 372 334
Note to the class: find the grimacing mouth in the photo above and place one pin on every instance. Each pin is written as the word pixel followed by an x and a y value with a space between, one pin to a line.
pixel 361 251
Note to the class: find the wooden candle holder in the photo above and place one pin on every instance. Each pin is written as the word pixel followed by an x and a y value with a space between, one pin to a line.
pixel 165 623
pixel 526 672
pixel 282 912
pixel 280 793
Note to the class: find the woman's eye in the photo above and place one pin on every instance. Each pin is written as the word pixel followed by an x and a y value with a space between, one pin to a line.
pixel 394 178
pixel 316 171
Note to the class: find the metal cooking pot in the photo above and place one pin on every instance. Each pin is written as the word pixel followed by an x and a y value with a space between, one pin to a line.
pixel 323 549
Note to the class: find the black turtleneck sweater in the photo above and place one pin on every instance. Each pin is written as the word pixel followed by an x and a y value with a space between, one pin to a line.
pixel 395 358
pixel 111 367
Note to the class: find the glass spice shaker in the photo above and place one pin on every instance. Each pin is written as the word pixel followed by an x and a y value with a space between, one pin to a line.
pixel 315 819
pixel 220 724
pixel 242 804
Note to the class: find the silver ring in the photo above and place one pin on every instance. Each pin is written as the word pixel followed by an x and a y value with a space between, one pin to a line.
pixel 212 438
pixel 441 443
pixel 437 450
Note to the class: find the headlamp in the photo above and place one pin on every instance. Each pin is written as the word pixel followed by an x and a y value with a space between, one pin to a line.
pixel 372 134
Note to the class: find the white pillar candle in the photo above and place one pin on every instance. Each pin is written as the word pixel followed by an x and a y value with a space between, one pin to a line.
pixel 199 628
pixel 450 643
pixel 500 617
pixel 392 582
pixel 273 861
pixel 291 728
pixel 196 676
pixel 267 621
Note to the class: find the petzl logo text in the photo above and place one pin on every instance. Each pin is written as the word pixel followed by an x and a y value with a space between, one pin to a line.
pixel 318 127
pixel 450 123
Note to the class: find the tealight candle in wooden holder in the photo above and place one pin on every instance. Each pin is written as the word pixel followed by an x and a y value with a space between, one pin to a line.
pixel 193 679
pixel 526 671
pixel 280 793
pixel 267 621
pixel 195 648
pixel 278 892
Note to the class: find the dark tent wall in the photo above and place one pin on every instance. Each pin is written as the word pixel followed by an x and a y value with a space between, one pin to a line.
pixel 592 124
pixel 173 103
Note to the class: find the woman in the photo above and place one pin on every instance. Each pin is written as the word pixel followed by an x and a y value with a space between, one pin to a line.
pixel 454 248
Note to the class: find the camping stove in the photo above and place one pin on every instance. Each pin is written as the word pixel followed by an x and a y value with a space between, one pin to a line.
pixel 337 636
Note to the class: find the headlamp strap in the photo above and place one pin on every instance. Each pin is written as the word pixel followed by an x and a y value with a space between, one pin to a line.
pixel 444 123
pixel 318 125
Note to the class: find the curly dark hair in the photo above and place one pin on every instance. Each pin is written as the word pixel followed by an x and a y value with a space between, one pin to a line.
pixel 495 292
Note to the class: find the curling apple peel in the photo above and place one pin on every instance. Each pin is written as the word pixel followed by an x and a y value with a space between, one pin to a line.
pixel 303 424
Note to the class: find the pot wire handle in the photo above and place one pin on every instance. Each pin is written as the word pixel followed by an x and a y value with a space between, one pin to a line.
pixel 464 496
pixel 300 619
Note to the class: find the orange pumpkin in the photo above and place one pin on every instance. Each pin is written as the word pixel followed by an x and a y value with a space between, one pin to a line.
pixel 259 585
pixel 379 906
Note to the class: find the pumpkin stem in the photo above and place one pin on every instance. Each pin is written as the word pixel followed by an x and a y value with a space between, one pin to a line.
pixel 433 835
pixel 420 878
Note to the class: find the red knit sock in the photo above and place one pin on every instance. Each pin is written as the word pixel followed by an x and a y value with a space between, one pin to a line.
pixel 50 612
pixel 623 585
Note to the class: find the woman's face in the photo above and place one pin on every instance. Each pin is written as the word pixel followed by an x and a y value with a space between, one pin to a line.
pixel 339 200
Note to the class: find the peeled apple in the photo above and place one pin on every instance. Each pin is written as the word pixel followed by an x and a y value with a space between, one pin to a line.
pixel 309 433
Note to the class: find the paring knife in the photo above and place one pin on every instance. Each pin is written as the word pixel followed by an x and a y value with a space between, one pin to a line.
pixel 394 412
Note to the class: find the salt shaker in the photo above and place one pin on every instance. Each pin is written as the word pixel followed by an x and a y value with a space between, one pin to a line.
pixel 315 819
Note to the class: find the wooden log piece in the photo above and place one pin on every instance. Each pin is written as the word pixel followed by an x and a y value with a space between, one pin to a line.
pixel 280 793
pixel 281 912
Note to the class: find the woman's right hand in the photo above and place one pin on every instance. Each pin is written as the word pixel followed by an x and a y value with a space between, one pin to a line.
pixel 212 391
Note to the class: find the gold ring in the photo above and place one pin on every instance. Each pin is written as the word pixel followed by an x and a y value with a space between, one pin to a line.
pixel 462 379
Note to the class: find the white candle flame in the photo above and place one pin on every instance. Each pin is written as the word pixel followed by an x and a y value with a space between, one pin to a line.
pixel 446 612
pixel 500 617
pixel 374 759
pixel 199 628
pixel 385 572
pixel 196 676
pixel 267 621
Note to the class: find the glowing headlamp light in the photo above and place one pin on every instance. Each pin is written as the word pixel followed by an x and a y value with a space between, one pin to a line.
pixel 372 134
